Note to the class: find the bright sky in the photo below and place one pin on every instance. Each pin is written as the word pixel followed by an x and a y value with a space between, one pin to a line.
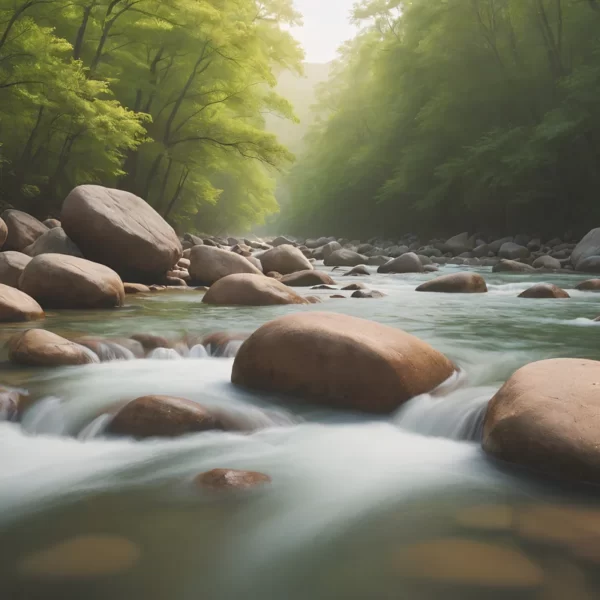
pixel 325 28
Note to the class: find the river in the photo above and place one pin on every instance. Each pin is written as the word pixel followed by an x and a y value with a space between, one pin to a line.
pixel 406 507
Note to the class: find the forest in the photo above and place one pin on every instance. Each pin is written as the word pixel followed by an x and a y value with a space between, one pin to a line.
pixel 166 99
pixel 457 115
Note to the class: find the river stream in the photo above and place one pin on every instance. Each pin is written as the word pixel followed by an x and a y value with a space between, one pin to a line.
pixel 360 508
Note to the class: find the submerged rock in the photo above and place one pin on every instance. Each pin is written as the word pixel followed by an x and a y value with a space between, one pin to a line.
pixel 285 259
pixel 339 361
pixel 456 283
pixel 9 404
pixel 589 285
pixel 149 341
pixel 162 416
pixel 251 290
pixel 23 229
pixel 544 290
pixel 60 281
pixel 231 479
pixel 18 306
pixel 357 271
pixel 547 417
pixel 407 263
pixel 210 264
pixel 12 265
pixel 368 294
pixel 354 286
pixel 41 348
pixel 307 279
pixel 120 230
pixel 223 343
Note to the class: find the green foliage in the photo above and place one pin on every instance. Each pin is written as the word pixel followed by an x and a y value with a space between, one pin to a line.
pixel 445 116
pixel 164 98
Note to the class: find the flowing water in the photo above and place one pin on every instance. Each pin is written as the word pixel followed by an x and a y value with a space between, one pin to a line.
pixel 406 507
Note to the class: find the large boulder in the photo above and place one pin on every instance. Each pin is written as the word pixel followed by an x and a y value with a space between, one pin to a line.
pixel 495 246
pixel 3 232
pixel 23 230
pixel 345 258
pixel 547 262
pixel 60 281
pixel 589 264
pixel 455 283
pixel 54 241
pixel 120 230
pixel 17 306
pixel 512 266
pixel 41 348
pixel 459 243
pixel 307 279
pixel 281 241
pixel 250 290
pixel 210 264
pixel 547 417
pixel 407 263
pixel 588 246
pixel 339 361
pixel 544 290
pixel 12 265
pixel 512 251
pixel 329 248
pixel 162 416
pixel 284 259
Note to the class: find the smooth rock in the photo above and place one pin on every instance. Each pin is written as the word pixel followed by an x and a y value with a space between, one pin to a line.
pixel 459 244
pixel 590 264
pixel 223 343
pixel 546 262
pixel 54 241
pixel 3 232
pixel 9 404
pixel 511 266
pixel 495 246
pixel 23 229
pixel 209 264
pixel 16 306
pixel 120 230
pixel 354 286
pixel 41 348
pixel 282 241
pixel 588 246
pixel 456 283
pixel 250 290
pixel 136 288
pixel 589 285
pixel 339 361
pixel 162 416
pixel 328 249
pixel 52 223
pixel 60 281
pixel 512 251
pixel 345 258
pixel 547 417
pixel 544 290
pixel 407 263
pixel 368 294
pixel 12 265
pixel 231 479
pixel 359 270
pixel 307 279
pixel 285 259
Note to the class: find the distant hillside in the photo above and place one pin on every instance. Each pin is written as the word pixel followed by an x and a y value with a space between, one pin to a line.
pixel 300 91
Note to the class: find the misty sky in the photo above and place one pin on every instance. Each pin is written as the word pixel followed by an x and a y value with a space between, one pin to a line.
pixel 325 27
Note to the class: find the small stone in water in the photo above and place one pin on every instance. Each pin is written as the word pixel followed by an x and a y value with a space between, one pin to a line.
pixel 231 479
pixel 82 557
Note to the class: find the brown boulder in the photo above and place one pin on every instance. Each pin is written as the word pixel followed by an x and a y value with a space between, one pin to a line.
pixel 547 417
pixel 368 294
pixel 60 281
pixel 590 285
pixel 18 306
pixel 455 283
pixel 544 290
pixel 209 264
pixel 41 348
pixel 250 290
pixel 285 259
pixel 162 416
pixel 511 266
pixel 120 230
pixel 339 361
pixel 12 265
pixel 231 479
pixel 112 349
pixel 136 288
pixel 23 230
pixel 307 279
pixel 357 271
pixel 354 286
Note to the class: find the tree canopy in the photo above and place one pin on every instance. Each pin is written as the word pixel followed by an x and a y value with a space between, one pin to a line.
pixel 166 99
pixel 449 115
